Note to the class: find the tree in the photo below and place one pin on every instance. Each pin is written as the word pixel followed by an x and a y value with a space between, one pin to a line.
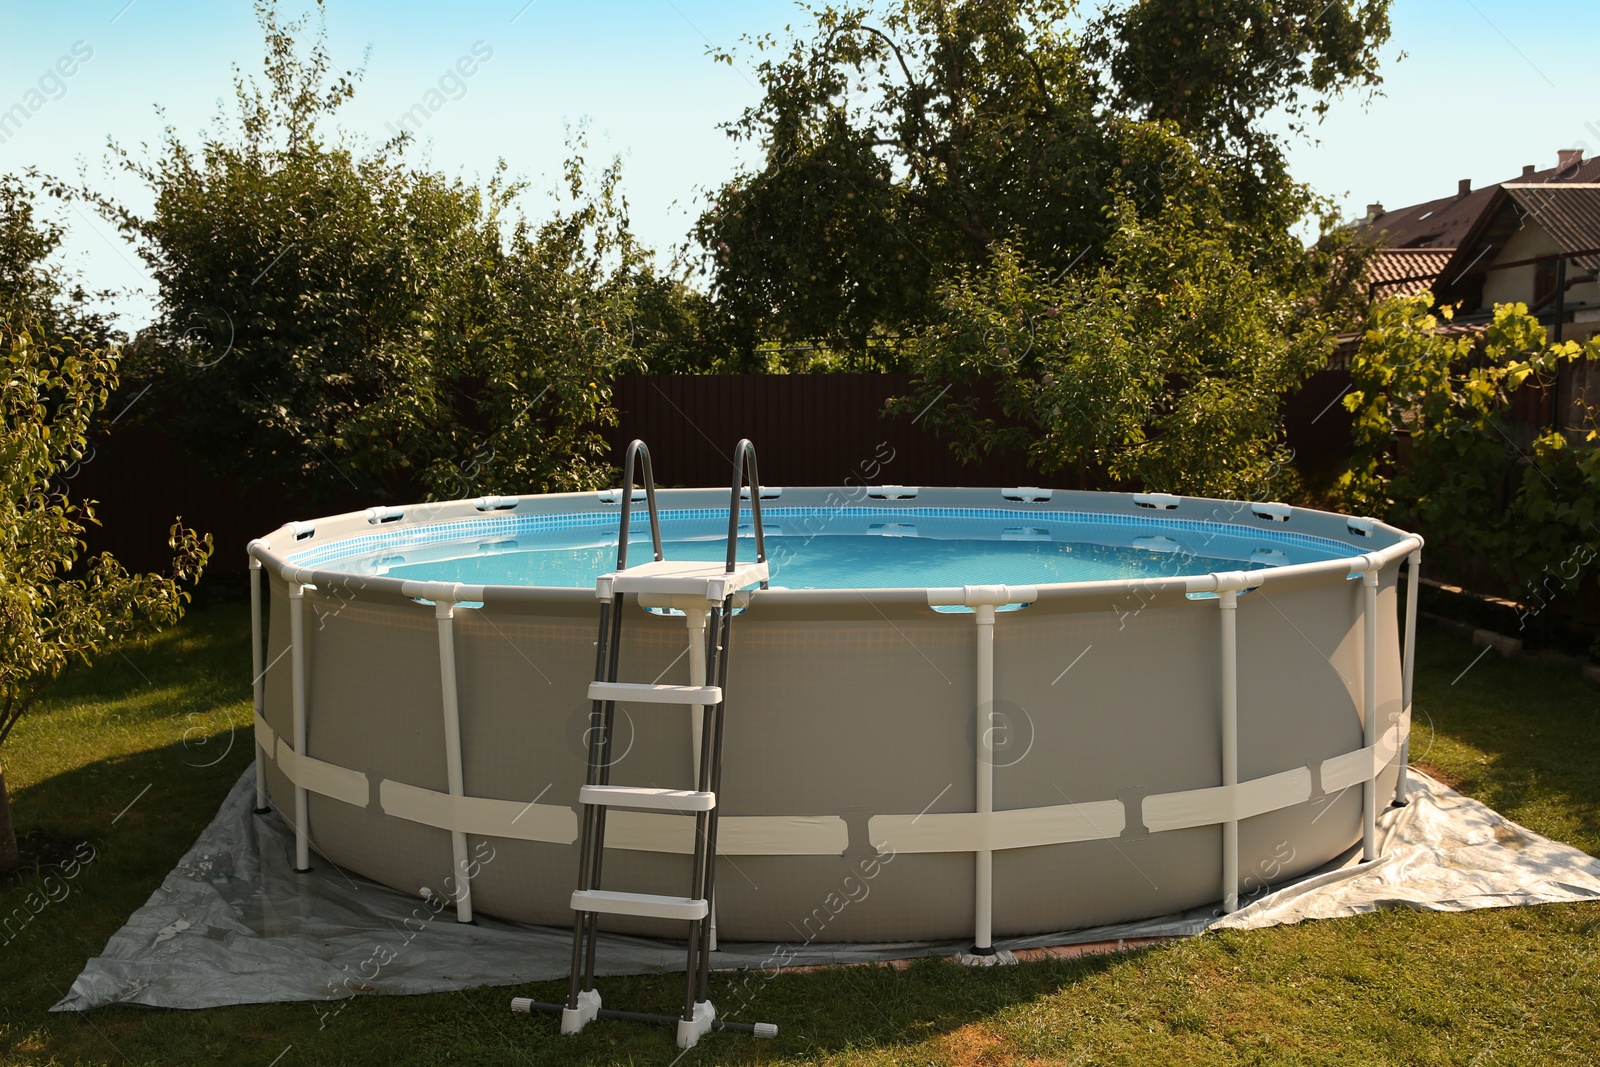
pixel 894 154
pixel 675 328
pixel 1523 512
pixel 335 321
pixel 1162 368
pixel 902 143
pixel 56 607
pixel 1216 68
pixel 25 242
pixel 30 293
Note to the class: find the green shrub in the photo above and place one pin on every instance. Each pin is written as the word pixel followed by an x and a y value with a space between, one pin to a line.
pixel 334 320
pixel 1525 512
pixel 57 608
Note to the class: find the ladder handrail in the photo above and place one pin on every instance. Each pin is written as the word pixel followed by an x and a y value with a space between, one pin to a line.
pixel 637 447
pixel 744 462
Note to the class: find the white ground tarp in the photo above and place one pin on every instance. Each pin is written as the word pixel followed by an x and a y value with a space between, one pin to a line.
pixel 233 924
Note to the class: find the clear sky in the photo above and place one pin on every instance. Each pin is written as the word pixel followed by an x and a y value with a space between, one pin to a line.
pixel 1485 86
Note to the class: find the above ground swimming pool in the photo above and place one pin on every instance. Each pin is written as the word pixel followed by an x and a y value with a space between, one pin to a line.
pixel 956 712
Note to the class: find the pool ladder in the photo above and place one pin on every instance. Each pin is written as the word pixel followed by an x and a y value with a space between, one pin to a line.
pixel 704 592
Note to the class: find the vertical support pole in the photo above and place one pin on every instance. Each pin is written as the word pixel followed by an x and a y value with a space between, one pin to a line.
pixel 297 668
pixel 983 889
pixel 1408 667
pixel 580 997
pixel 1560 315
pixel 694 621
pixel 1228 602
pixel 444 611
pixel 258 685
pixel 1369 705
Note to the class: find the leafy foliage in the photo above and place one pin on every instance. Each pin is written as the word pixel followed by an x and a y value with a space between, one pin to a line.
pixel 25 242
pixel 894 153
pixel 1076 261
pixel 28 291
pixel 1466 483
pixel 56 607
pixel 1162 368
pixel 336 321
pixel 1217 67
pixel 48 397
pixel 903 142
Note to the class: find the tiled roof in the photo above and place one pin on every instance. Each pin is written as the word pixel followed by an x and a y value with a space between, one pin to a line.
pixel 1404 271
pixel 1444 223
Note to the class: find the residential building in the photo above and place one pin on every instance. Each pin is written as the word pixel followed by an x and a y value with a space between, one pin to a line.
pixel 1534 240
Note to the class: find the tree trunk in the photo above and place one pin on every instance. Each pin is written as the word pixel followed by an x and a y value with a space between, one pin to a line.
pixel 10 858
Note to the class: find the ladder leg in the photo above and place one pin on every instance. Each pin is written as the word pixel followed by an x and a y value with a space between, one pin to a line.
pixel 582 921
pixel 594 920
pixel 698 927
pixel 702 752
pixel 691 963
pixel 699 980
pixel 702 635
pixel 603 777
pixel 714 784
pixel 699 931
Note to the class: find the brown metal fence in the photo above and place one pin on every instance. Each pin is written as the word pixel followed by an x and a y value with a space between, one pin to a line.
pixel 142 478
pixel 809 429
pixel 825 429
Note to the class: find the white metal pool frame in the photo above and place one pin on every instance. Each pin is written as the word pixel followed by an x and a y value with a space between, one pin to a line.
pixel 980 832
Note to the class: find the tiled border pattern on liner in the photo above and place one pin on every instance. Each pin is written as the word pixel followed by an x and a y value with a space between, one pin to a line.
pixel 511 524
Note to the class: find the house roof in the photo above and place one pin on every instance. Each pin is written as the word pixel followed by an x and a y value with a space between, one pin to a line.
pixel 1435 224
pixel 1445 222
pixel 1570 214
pixel 1404 271
pixel 1568 211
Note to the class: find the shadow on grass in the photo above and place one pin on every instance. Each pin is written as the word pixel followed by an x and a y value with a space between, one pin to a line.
pixel 207 656
pixel 180 699
pixel 1523 737
pixel 825 1012
pixel 136 814
pixel 154 778
pixel 866 1012
pixel 1519 736
pixel 130 757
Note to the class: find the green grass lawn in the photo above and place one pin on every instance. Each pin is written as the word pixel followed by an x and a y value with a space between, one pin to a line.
pixel 134 756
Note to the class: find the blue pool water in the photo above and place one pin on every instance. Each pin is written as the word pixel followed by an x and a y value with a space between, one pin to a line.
pixel 851 549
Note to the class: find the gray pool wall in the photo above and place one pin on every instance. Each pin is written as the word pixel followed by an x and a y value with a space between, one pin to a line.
pixel 850 767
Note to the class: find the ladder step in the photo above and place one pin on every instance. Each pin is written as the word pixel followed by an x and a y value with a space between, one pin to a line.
pixel 634 796
pixel 709 579
pixel 650 905
pixel 645 693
